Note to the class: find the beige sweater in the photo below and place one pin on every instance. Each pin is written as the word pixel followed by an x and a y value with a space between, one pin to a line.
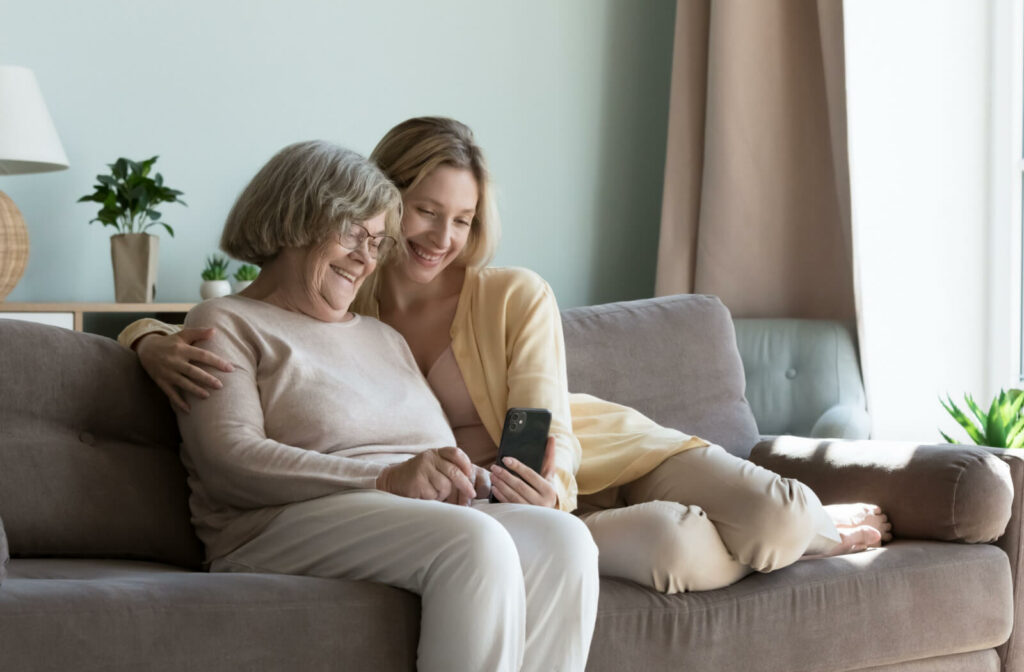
pixel 311 409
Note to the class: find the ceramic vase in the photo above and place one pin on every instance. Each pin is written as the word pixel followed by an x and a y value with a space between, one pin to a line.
pixel 135 257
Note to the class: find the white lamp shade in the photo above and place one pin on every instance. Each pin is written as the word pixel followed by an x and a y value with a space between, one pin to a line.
pixel 28 139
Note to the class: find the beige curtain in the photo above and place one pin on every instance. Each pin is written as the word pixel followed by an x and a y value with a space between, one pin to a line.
pixel 757 201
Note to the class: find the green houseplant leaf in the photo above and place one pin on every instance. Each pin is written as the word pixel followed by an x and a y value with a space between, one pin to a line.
pixel 1002 426
pixel 129 196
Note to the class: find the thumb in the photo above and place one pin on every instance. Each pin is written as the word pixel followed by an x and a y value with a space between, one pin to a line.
pixel 547 467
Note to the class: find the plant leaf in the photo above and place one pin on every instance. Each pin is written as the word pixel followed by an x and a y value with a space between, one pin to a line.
pixel 965 422
pixel 946 437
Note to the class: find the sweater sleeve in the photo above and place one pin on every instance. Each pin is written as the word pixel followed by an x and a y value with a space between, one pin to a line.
pixel 144 327
pixel 537 375
pixel 226 441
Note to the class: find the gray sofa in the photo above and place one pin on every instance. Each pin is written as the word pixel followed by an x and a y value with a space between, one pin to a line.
pixel 105 569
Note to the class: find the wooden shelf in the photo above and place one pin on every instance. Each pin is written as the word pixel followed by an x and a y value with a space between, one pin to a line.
pixel 77 310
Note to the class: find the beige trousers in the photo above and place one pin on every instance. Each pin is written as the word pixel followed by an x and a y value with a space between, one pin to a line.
pixel 702 520
pixel 503 587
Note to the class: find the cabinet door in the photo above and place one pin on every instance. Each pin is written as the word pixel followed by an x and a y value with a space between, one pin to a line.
pixel 66 320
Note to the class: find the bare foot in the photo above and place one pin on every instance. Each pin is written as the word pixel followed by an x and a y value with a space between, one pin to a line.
pixel 856 539
pixel 851 517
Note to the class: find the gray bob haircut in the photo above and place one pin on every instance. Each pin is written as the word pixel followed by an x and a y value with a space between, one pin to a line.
pixel 303 194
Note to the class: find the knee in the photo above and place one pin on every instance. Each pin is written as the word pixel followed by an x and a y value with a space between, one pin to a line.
pixel 686 551
pixel 475 545
pixel 784 523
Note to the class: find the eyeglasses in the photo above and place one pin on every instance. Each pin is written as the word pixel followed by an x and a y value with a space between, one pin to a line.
pixel 355 235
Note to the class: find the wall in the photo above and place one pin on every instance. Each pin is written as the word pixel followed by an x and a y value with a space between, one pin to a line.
pixel 568 98
pixel 918 104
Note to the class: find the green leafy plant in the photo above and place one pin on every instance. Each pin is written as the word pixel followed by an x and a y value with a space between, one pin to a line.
pixel 1001 427
pixel 216 268
pixel 129 195
pixel 246 273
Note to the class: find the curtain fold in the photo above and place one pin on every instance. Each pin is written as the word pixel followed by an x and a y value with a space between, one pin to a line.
pixel 756 205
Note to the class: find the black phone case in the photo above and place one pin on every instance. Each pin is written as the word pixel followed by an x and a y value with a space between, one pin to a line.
pixel 524 437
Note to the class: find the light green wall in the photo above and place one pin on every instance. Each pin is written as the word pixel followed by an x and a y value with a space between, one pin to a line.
pixel 569 99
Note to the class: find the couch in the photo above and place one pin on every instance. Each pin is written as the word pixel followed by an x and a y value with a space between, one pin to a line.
pixel 105 569
pixel 803 378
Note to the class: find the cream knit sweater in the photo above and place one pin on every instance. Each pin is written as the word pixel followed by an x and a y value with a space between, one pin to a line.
pixel 312 408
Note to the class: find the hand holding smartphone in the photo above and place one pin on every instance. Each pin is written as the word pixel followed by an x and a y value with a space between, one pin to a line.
pixel 524 437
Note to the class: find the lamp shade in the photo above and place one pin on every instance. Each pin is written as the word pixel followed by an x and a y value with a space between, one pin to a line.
pixel 28 139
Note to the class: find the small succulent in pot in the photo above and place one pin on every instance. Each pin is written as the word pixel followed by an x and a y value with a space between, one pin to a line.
pixel 244 276
pixel 215 277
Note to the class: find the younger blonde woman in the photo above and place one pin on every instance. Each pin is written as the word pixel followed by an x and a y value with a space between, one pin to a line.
pixel 667 510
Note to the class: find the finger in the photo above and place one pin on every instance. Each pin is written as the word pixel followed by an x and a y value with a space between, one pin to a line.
pixel 187 385
pixel 547 467
pixel 516 485
pixel 173 395
pixel 202 356
pixel 535 480
pixel 505 494
pixel 461 484
pixel 457 457
pixel 200 376
pixel 441 485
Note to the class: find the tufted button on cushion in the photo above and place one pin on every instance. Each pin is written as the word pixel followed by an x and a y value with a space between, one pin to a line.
pixel 791 373
pixel 87 438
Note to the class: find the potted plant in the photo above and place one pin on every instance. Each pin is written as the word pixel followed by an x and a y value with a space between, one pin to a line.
pixel 215 277
pixel 244 276
pixel 1001 427
pixel 129 196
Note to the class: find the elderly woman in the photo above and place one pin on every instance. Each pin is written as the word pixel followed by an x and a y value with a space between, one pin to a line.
pixel 326 454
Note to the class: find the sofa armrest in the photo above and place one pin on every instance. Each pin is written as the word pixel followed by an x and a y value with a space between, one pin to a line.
pixel 1012 652
pixel 946 493
pixel 843 421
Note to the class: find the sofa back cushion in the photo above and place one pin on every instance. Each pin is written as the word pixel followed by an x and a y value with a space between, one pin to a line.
pixel 673 358
pixel 89 462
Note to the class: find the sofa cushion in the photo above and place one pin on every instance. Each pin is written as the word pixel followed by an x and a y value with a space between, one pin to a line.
pixel 89 460
pixel 144 617
pixel 673 358
pixel 906 601
pixel 4 554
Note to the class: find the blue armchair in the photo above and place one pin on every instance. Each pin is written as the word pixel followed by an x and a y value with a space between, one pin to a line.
pixel 803 378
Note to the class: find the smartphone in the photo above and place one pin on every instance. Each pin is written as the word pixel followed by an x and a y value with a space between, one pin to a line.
pixel 524 437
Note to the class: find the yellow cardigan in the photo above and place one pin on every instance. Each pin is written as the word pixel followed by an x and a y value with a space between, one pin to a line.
pixel 508 344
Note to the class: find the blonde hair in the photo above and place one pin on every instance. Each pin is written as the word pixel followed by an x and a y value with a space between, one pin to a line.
pixel 305 193
pixel 407 154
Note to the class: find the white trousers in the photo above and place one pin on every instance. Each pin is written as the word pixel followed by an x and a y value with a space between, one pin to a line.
pixel 503 587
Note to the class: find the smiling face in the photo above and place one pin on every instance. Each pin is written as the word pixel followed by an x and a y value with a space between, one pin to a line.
pixel 329 274
pixel 437 222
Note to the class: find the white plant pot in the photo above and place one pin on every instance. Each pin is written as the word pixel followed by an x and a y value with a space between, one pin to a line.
pixel 211 289
pixel 241 284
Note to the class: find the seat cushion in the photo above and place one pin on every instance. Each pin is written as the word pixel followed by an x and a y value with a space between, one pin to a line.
pixel 909 600
pixel 58 615
pixel 672 358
